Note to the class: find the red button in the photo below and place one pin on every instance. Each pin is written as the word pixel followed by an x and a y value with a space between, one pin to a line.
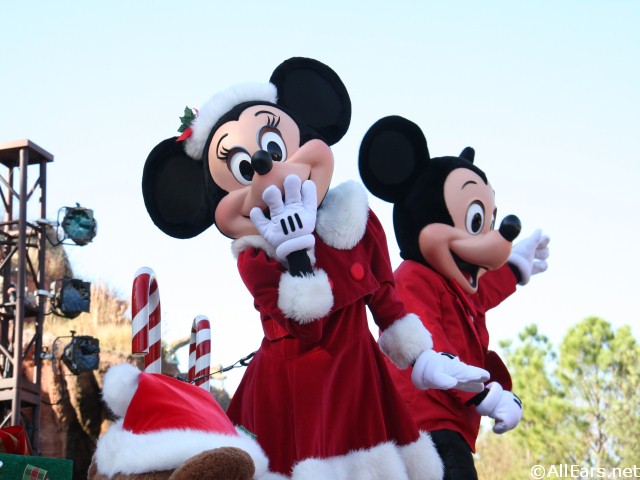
pixel 357 272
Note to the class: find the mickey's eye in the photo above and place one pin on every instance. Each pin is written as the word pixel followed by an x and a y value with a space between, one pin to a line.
pixel 493 220
pixel 239 164
pixel 272 142
pixel 475 218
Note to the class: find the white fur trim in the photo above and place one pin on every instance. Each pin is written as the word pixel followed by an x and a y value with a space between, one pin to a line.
pixel 417 461
pixel 271 476
pixel 405 340
pixel 307 298
pixel 220 104
pixel 382 462
pixel 342 218
pixel 121 451
pixel 422 460
pixel 341 221
pixel 119 385
pixel 252 241
pixel 257 241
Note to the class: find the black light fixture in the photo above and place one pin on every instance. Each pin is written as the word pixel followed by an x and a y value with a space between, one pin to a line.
pixel 73 298
pixel 81 354
pixel 78 224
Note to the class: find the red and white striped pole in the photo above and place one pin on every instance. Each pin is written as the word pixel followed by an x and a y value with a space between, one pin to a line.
pixel 199 352
pixel 145 314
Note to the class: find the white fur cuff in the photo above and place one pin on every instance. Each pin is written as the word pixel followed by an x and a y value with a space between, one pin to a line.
pixel 405 340
pixel 307 298
pixel 422 459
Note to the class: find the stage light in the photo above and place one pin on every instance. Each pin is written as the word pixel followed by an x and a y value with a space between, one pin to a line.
pixel 82 354
pixel 73 298
pixel 78 224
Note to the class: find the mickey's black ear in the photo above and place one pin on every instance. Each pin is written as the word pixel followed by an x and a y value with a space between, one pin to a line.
pixel 392 154
pixel 314 93
pixel 174 191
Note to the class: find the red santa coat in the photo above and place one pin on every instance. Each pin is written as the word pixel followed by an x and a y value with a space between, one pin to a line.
pixel 319 387
pixel 456 321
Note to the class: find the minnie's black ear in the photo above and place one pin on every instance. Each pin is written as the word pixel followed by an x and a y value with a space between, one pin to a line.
pixel 392 154
pixel 174 191
pixel 314 93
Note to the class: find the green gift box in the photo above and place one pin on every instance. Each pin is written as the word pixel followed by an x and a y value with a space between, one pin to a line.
pixel 22 467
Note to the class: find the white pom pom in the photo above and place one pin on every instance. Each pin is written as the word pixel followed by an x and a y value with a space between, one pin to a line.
pixel 120 383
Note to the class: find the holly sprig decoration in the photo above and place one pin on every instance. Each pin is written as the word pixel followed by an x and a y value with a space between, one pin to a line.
pixel 189 116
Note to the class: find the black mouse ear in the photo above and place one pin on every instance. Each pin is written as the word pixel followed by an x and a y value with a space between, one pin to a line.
pixel 468 154
pixel 392 153
pixel 174 191
pixel 314 93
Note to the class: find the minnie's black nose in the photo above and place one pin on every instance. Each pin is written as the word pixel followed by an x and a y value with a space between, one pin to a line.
pixel 261 162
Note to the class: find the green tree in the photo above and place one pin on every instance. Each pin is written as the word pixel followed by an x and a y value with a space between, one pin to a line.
pixel 625 412
pixel 546 433
pixel 581 405
pixel 501 456
pixel 598 370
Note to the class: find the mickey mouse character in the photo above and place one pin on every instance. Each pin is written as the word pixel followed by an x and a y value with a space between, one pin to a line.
pixel 444 215
pixel 257 162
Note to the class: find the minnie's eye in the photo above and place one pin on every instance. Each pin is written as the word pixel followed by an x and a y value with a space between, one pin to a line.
pixel 273 143
pixel 239 164
pixel 475 218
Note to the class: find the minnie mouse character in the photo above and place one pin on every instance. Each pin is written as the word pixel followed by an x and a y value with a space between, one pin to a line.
pixel 257 162
pixel 444 215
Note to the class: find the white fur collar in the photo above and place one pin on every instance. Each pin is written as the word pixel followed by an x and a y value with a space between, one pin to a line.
pixel 341 221
pixel 252 241
pixel 342 216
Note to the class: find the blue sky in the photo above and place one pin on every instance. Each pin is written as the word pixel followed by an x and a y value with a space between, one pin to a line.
pixel 546 92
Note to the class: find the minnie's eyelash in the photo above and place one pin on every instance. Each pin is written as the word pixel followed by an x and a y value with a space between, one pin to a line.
pixel 273 121
pixel 223 154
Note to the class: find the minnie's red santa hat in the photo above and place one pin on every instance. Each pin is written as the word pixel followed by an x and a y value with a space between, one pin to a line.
pixel 164 422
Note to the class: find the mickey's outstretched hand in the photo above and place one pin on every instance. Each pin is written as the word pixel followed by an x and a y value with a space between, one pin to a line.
pixel 529 256
pixel 445 371
pixel 292 222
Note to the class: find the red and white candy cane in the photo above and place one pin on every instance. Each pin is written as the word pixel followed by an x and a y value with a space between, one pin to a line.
pixel 199 352
pixel 145 312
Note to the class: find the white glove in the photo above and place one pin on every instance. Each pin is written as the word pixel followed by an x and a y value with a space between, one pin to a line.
pixel 445 371
pixel 291 225
pixel 501 405
pixel 529 256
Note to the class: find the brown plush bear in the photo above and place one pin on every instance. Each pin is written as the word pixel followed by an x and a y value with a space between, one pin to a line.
pixel 170 430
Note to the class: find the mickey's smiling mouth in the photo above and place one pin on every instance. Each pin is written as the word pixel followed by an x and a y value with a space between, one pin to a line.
pixel 469 270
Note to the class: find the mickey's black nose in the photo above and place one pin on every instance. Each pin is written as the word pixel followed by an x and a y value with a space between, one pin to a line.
pixel 510 227
pixel 261 162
